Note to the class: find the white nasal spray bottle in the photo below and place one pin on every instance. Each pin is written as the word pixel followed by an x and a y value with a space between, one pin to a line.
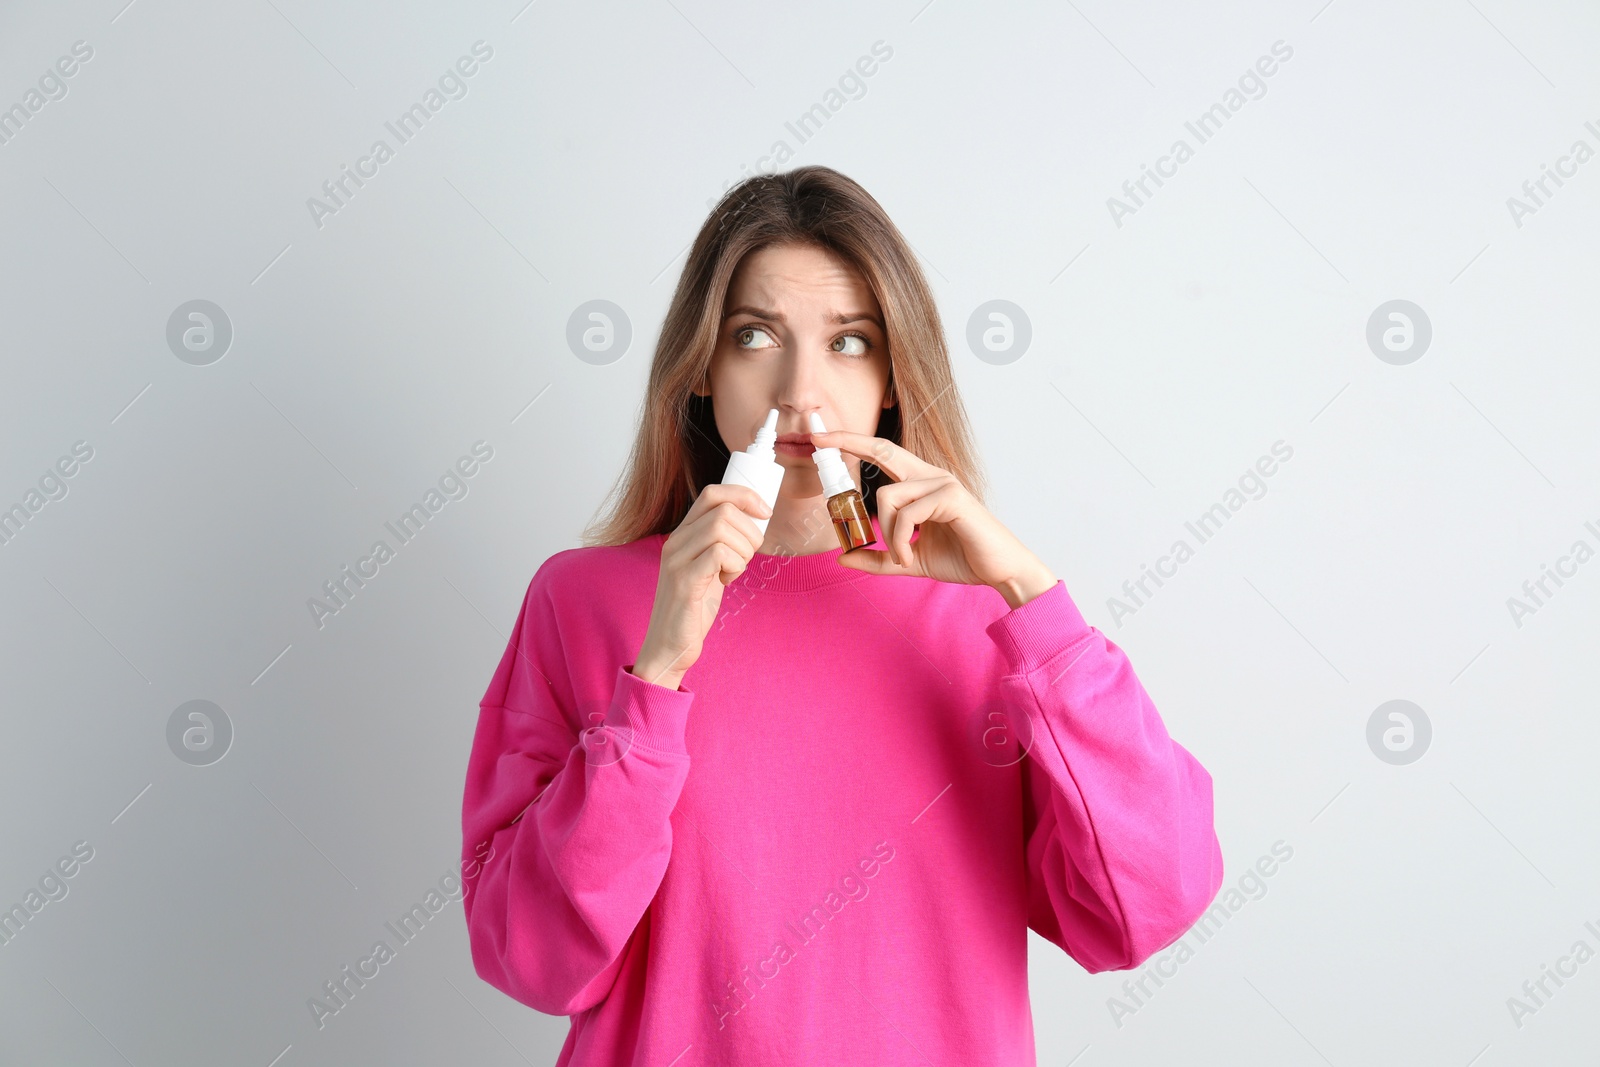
pixel 758 467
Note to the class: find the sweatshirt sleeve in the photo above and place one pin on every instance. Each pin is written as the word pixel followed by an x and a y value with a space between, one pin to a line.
pixel 1118 827
pixel 566 825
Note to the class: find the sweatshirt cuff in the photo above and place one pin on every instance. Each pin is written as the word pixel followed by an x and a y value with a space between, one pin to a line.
pixel 650 715
pixel 1042 628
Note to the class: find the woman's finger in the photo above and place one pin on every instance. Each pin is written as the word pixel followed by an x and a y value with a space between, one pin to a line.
pixel 705 560
pixel 714 507
pixel 876 561
pixel 894 460
pixel 736 527
pixel 722 523
pixel 932 506
pixel 891 500
pixel 742 497
pixel 720 560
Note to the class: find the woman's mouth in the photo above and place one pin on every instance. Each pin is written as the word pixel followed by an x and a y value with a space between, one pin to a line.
pixel 794 445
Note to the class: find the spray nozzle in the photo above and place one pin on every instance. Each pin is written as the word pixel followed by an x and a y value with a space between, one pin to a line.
pixel 830 464
pixel 766 436
pixel 769 430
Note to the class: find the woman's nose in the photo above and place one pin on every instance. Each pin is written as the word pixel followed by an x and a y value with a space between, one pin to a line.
pixel 801 389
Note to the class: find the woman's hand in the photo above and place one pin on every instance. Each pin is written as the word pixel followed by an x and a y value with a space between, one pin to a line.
pixel 710 548
pixel 960 541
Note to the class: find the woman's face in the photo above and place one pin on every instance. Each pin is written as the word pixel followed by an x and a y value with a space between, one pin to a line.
pixel 801 332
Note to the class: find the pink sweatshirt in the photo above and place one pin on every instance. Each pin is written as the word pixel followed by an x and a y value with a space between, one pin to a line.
pixel 827 845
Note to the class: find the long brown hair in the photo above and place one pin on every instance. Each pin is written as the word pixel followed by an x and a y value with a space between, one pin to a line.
pixel 678 450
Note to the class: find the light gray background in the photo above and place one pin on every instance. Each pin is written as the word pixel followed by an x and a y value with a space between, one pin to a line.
pixel 1168 354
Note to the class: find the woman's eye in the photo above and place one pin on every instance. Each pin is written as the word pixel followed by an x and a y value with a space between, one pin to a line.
pixel 854 345
pixel 744 336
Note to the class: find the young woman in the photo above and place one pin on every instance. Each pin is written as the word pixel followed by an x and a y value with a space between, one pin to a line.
pixel 746 799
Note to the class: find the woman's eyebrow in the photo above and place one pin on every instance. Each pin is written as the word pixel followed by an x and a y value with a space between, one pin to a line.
pixel 840 318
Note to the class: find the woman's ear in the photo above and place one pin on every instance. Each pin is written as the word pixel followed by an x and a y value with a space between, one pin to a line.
pixel 888 395
pixel 702 387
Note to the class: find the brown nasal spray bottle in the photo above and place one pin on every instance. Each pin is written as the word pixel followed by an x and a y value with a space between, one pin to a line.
pixel 845 506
